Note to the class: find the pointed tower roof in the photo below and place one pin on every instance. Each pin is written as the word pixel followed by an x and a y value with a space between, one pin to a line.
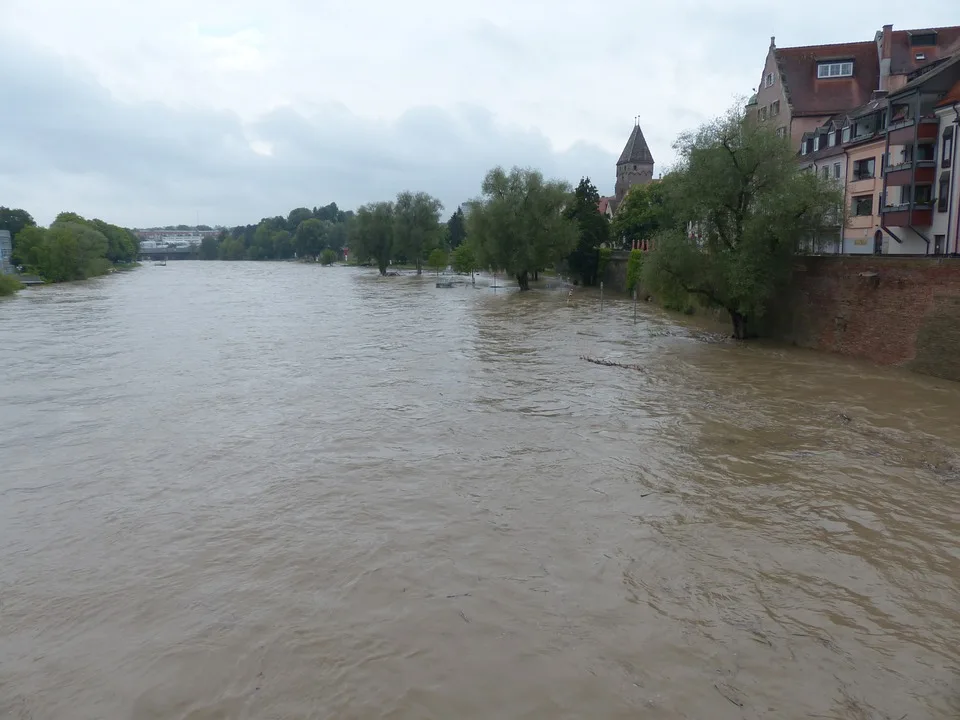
pixel 636 150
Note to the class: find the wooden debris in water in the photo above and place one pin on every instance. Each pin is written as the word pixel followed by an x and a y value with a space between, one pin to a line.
pixel 610 363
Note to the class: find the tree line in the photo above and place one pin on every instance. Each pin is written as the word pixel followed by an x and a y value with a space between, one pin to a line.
pixel 72 248
pixel 413 229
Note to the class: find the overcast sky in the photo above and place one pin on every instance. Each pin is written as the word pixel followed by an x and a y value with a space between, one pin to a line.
pixel 151 112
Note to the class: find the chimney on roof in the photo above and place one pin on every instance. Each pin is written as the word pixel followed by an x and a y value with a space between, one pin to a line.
pixel 886 53
pixel 878 94
pixel 773 41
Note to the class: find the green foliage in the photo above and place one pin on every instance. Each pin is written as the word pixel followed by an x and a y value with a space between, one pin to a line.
pixel 438 259
pixel 282 242
pixel 417 228
pixel 463 259
pixel 15 220
pixel 373 234
pixel 593 231
pixel 310 237
pixel 9 285
pixel 739 190
pixel 456 229
pixel 634 269
pixel 328 257
pixel 297 216
pixel 645 211
pixel 232 249
pixel 603 259
pixel 518 224
pixel 208 248
pixel 74 248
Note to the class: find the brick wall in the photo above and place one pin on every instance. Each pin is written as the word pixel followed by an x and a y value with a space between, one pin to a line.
pixel 889 310
pixel 892 311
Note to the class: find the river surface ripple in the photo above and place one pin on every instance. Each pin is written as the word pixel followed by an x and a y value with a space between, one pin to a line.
pixel 271 490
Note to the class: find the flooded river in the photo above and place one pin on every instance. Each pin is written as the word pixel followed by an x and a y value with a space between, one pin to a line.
pixel 254 490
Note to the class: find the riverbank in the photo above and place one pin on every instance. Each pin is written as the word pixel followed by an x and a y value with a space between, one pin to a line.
pixel 890 310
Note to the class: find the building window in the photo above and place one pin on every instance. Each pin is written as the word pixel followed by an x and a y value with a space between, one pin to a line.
pixel 816 143
pixel 834 69
pixel 768 81
pixel 926 153
pixel 763 113
pixel 774 108
pixel 923 39
pixel 831 139
pixel 803 147
pixel 825 172
pixel 781 132
pixel 634 167
pixel 947 147
pixel 864 169
pixel 836 171
pixel 863 205
pixel 920 56
pixel 943 192
pixel 923 195
pixel 938 242
pixel 846 134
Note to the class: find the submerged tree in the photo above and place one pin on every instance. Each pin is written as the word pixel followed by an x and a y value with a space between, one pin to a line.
pixel 373 234
pixel 438 260
pixel 743 208
pixel 518 223
pixel 417 228
pixel 593 230
pixel 456 229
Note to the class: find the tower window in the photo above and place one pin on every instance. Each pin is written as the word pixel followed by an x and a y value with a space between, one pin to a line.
pixel 634 167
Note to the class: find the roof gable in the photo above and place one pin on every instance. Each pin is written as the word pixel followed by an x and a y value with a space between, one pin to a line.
pixel 809 95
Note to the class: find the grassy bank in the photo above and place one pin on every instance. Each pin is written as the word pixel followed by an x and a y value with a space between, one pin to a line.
pixel 9 285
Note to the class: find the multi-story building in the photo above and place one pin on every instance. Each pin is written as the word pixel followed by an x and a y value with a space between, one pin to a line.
pixel 801 88
pixel 919 193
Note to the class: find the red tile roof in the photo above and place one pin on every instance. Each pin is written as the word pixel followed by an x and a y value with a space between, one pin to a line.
pixel 952 96
pixel 809 95
pixel 603 204
pixel 903 57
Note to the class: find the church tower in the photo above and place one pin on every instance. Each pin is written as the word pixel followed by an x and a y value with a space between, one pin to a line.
pixel 635 166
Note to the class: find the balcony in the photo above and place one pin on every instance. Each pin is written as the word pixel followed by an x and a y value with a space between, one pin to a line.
pixel 928 129
pixel 922 173
pixel 902 216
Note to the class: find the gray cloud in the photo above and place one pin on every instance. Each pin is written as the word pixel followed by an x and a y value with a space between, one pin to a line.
pixel 69 144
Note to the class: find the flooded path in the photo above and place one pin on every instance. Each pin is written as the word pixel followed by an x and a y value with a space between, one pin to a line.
pixel 255 490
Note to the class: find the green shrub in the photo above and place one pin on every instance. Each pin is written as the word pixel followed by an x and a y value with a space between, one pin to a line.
pixel 603 259
pixel 328 257
pixel 634 268
pixel 9 285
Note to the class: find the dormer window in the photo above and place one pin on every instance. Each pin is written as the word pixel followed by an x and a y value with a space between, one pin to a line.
pixel 923 39
pixel 846 134
pixel 816 143
pixel 834 69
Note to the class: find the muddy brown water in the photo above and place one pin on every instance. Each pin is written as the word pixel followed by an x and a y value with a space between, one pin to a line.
pixel 239 490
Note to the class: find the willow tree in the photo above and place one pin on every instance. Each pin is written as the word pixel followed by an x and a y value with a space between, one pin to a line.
pixel 417 228
pixel 518 223
pixel 742 209
pixel 373 234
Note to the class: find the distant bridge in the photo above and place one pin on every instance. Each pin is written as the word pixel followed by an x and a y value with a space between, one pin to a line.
pixel 168 253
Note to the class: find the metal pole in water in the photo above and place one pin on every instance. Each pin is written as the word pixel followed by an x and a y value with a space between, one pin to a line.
pixel 601 294
pixel 634 307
